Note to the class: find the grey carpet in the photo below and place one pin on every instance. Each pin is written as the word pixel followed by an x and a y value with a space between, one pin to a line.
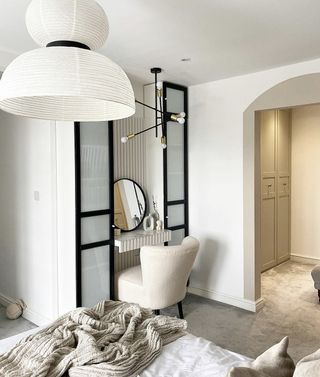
pixel 9 327
pixel 291 308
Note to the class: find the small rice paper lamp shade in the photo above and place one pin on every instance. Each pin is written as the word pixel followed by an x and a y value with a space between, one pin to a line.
pixel 82 21
pixel 66 83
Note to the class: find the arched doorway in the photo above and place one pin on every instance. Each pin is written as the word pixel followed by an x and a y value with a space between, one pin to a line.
pixel 301 90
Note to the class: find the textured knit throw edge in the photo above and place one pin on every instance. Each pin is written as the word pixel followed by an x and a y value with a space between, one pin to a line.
pixel 112 339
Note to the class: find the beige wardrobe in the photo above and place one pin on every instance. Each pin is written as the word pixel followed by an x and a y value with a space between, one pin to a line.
pixel 275 144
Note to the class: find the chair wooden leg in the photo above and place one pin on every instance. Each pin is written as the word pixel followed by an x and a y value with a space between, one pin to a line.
pixel 156 312
pixel 319 294
pixel 180 310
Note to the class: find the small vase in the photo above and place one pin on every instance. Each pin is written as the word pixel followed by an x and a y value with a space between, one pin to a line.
pixel 148 223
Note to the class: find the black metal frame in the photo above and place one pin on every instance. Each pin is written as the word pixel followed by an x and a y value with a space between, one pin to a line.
pixel 185 201
pixel 79 215
pixel 156 71
pixel 145 200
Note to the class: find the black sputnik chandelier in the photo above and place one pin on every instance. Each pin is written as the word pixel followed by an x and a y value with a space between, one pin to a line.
pixel 161 117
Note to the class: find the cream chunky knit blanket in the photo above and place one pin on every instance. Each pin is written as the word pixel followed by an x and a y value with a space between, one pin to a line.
pixel 111 339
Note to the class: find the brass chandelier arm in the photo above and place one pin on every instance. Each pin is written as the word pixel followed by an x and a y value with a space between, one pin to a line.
pixel 149 107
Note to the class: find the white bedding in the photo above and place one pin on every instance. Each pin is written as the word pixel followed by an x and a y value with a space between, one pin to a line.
pixel 187 356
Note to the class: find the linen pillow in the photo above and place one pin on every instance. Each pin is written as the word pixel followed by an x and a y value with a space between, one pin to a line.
pixel 309 366
pixel 275 362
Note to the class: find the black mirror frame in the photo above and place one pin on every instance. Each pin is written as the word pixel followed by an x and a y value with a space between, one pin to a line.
pixel 145 200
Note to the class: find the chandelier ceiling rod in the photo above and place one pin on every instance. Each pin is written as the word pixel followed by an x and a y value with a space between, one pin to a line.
pixel 164 116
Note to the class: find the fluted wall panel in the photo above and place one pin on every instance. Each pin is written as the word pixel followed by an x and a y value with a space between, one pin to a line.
pixel 129 162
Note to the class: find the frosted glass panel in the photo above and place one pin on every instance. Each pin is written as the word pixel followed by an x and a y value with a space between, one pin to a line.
pixel 94 166
pixel 176 215
pixel 95 229
pixel 175 161
pixel 95 275
pixel 176 237
pixel 175 101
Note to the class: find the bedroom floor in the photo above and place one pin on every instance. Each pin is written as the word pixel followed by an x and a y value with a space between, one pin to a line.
pixel 291 308
pixel 10 328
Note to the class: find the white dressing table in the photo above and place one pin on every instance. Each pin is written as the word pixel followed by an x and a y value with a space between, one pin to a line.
pixel 136 239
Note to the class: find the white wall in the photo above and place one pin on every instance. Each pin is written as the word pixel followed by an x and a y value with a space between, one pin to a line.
pixel 28 255
pixel 66 236
pixel 305 203
pixel 222 188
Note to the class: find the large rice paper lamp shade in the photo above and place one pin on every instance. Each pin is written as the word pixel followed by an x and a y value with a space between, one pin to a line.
pixel 66 83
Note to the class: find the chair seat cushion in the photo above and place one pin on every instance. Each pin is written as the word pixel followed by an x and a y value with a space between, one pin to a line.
pixel 129 286
pixel 315 273
pixel 132 275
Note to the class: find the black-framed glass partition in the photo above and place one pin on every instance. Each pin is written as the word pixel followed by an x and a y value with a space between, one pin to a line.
pixel 176 164
pixel 94 212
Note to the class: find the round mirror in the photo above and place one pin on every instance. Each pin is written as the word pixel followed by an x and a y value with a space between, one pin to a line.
pixel 129 204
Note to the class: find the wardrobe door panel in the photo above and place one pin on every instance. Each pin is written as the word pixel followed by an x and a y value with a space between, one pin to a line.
pixel 268 142
pixel 283 189
pixel 283 228
pixel 284 141
pixel 268 189
pixel 275 186
pixel 268 232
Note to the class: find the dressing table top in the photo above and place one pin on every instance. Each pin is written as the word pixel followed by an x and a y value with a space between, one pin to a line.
pixel 136 239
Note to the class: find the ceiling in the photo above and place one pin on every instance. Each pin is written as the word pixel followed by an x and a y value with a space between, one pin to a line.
pixel 223 38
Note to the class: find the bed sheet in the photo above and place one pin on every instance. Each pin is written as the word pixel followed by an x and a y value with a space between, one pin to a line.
pixel 185 357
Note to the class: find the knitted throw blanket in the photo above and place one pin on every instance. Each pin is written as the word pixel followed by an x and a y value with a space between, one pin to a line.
pixel 111 339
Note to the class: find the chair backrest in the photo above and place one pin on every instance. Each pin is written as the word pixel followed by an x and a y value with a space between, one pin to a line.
pixel 165 271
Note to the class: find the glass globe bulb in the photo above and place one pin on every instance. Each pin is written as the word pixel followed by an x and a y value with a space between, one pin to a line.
pixel 124 139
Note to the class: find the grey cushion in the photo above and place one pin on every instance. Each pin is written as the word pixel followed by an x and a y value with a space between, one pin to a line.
pixel 245 372
pixel 309 366
pixel 315 273
pixel 275 362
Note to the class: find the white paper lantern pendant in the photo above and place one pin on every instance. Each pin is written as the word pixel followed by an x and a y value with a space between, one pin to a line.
pixel 65 79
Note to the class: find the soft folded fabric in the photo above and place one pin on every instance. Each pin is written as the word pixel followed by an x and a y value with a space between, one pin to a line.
pixel 309 366
pixel 275 362
pixel 112 339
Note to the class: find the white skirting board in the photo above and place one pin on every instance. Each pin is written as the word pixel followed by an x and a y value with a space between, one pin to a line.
pixel 304 259
pixel 252 306
pixel 28 314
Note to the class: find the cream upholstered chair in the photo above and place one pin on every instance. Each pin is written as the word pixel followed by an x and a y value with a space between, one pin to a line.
pixel 161 280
